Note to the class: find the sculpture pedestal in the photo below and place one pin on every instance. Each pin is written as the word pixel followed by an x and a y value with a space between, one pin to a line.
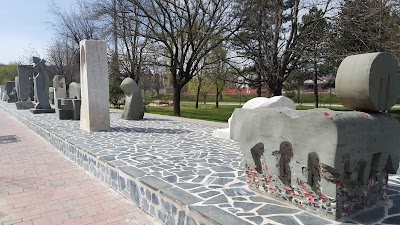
pixel 24 105
pixel 39 111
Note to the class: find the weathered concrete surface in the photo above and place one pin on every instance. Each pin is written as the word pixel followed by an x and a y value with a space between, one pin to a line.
pixel 134 108
pixel 95 114
pixel 368 82
pixel 333 162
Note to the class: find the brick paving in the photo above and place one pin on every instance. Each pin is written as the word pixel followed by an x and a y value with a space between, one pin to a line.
pixel 39 186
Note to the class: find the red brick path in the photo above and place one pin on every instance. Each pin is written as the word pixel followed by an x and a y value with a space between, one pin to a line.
pixel 38 185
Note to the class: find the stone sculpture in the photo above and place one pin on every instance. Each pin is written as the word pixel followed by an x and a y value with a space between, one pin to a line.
pixel 74 90
pixel 60 87
pixel 41 87
pixel 95 113
pixel 134 108
pixel 257 103
pixel 10 86
pixel 24 87
pixel 368 82
pixel 333 163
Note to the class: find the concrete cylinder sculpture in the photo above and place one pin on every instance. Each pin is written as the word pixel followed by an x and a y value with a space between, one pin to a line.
pixel 95 113
pixel 134 108
pixel 368 82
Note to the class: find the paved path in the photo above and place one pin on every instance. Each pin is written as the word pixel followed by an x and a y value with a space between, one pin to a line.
pixel 38 185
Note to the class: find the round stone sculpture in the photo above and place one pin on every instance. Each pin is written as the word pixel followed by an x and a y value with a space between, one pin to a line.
pixel 368 82
pixel 134 108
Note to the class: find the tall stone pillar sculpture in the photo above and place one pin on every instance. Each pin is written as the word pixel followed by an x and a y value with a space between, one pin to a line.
pixel 95 113
pixel 24 87
pixel 41 87
pixel 134 108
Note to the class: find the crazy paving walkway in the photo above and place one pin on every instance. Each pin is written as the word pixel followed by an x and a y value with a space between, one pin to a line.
pixel 172 168
pixel 39 185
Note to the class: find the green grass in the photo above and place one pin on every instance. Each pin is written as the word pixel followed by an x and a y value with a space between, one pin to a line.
pixel 204 112
pixel 211 113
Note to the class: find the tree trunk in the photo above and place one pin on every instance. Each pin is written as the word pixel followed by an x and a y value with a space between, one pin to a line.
pixel 316 84
pixel 177 101
pixel 259 85
pixel 217 98
pixel 277 89
pixel 198 94
pixel 298 95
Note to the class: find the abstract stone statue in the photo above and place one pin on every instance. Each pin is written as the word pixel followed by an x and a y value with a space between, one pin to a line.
pixel 333 163
pixel 134 108
pixel 95 112
pixel 60 87
pixel 41 87
pixel 68 108
pixel 10 86
pixel 74 90
pixel 24 87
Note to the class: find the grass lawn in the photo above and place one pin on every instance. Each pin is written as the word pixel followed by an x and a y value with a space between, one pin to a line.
pixel 204 112
pixel 211 113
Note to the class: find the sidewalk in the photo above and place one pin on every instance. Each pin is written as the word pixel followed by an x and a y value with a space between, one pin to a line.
pixel 38 185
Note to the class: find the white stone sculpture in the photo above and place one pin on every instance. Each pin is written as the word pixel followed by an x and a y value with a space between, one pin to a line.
pixel 257 103
pixel 134 108
pixel 95 113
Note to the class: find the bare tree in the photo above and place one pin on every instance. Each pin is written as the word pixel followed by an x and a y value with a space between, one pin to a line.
pixel 63 57
pixel 181 32
pixel 71 27
pixel 74 25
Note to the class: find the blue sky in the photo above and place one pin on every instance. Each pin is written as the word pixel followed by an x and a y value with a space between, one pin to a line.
pixel 25 27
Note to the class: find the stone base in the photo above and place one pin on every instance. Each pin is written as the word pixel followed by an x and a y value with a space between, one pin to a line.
pixel 222 133
pixel 68 109
pixel 10 100
pixel 24 105
pixel 39 111
pixel 63 114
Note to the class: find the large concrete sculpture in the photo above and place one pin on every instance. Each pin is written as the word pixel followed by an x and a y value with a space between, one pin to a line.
pixel 333 163
pixel 95 113
pixel 368 82
pixel 134 108
pixel 41 87
pixel 24 87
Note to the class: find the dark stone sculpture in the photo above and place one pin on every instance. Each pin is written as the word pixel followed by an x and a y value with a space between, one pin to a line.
pixel 10 85
pixel 24 87
pixel 41 87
